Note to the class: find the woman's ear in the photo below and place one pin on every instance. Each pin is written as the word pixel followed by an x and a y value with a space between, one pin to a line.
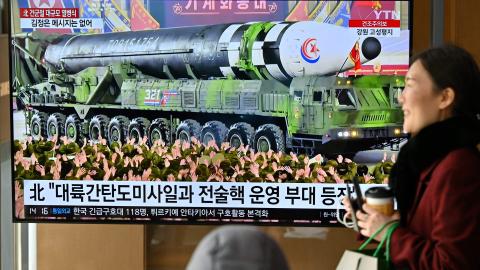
pixel 447 98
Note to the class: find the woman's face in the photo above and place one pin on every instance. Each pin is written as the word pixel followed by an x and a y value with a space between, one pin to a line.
pixel 420 102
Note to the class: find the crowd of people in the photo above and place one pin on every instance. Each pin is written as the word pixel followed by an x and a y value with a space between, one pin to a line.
pixel 182 161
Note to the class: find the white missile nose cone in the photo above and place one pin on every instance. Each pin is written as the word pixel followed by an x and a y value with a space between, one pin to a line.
pixel 371 48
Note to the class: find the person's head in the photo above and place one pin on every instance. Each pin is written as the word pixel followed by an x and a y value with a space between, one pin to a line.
pixel 237 248
pixel 441 83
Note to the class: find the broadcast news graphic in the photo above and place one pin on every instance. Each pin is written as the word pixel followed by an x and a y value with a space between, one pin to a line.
pixel 203 111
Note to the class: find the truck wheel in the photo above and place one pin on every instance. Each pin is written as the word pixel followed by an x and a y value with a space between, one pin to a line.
pixel 118 129
pixel 138 128
pixel 214 130
pixel 187 129
pixel 159 130
pixel 98 127
pixel 38 125
pixel 73 128
pixel 56 125
pixel 241 133
pixel 269 137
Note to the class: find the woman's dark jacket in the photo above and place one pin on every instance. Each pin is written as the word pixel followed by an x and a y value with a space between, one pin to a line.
pixel 436 181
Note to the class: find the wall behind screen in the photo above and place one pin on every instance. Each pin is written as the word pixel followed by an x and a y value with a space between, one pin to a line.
pixel 462 25
pixel 421 29
pixel 92 247
pixel 4 17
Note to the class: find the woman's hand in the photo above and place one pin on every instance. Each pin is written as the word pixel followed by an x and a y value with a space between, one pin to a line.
pixel 348 207
pixel 370 221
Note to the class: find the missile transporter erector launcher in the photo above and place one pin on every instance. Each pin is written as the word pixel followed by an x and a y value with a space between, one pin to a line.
pixel 268 85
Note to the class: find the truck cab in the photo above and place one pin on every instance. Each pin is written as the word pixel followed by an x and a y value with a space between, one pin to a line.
pixel 329 113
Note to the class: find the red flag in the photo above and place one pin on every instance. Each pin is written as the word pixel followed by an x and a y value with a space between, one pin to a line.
pixel 354 56
pixel 141 19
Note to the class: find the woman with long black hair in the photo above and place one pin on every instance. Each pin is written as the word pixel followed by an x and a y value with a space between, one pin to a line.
pixel 436 179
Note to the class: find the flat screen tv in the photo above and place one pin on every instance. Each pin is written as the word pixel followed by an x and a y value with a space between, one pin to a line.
pixel 201 111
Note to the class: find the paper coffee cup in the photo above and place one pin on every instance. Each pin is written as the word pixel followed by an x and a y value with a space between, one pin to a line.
pixel 381 199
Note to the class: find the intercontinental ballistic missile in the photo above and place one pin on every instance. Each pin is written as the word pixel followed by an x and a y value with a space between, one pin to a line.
pixel 262 50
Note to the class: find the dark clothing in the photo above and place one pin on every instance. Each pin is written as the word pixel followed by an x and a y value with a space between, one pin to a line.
pixel 439 202
pixel 444 230
pixel 430 145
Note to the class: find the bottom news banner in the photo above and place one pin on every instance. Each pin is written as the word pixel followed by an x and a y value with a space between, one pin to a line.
pixel 188 202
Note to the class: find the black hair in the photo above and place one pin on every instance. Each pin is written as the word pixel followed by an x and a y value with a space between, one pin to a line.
pixel 454 67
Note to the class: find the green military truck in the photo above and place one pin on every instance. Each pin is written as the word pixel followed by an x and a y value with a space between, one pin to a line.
pixel 93 92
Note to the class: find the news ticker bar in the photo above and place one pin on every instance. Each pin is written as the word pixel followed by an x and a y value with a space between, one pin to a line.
pixel 270 216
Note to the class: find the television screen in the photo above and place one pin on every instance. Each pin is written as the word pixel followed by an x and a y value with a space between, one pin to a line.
pixel 202 111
